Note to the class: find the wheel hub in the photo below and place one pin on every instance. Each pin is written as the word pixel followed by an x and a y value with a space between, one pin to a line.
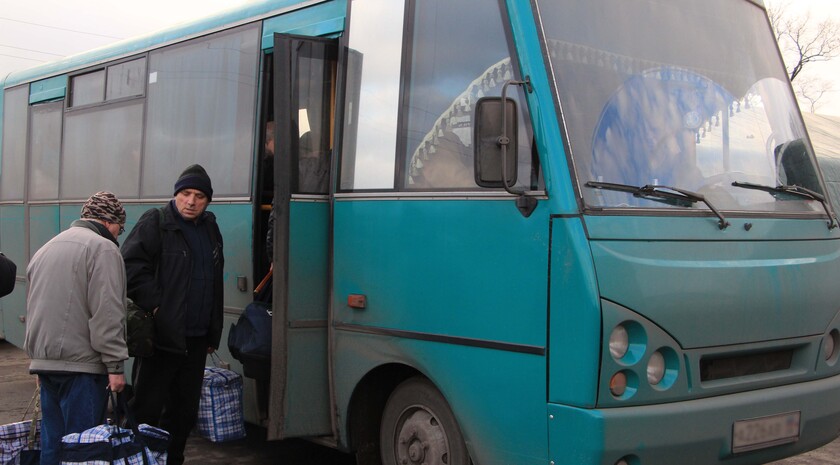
pixel 421 440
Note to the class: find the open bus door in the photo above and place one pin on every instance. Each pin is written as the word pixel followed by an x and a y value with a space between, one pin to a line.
pixel 304 89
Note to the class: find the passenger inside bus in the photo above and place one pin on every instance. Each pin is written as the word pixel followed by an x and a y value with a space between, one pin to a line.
pixel 268 164
pixel 313 166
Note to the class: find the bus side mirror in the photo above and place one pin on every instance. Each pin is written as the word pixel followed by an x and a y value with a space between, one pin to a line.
pixel 794 165
pixel 493 142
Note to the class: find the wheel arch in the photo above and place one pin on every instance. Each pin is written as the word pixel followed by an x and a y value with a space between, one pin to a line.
pixel 364 413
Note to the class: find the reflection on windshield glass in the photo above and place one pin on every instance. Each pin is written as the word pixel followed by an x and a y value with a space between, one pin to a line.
pixel 687 98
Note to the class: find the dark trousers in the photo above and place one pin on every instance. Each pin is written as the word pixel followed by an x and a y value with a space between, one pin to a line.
pixel 167 390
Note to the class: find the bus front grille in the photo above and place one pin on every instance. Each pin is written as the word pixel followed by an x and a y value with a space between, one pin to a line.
pixel 717 367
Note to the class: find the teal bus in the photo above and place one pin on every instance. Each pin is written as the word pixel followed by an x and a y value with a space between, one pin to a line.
pixel 507 231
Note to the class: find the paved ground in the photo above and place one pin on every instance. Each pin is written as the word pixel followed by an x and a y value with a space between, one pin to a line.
pixel 17 386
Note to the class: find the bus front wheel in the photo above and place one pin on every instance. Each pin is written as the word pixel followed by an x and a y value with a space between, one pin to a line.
pixel 418 427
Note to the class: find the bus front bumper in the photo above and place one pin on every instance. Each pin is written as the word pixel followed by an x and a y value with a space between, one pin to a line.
pixel 693 432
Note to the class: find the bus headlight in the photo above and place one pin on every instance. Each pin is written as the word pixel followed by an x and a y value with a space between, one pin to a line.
pixel 656 368
pixel 830 345
pixel 618 384
pixel 619 342
pixel 624 384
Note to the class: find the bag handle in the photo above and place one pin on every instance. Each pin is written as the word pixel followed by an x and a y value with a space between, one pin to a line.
pixel 261 285
pixel 218 362
pixel 36 400
pixel 36 415
pixel 121 410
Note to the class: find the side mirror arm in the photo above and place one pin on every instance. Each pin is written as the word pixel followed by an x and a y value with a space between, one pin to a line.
pixel 524 203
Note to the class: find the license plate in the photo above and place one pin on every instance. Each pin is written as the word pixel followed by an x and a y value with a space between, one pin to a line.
pixel 758 433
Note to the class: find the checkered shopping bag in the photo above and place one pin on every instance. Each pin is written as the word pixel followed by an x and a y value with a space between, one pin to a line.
pixel 110 444
pixel 20 443
pixel 220 410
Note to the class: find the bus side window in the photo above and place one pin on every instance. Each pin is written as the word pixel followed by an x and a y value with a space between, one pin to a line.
pixel 12 162
pixel 444 86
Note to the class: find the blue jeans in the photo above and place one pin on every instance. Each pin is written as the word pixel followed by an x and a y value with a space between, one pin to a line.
pixel 70 403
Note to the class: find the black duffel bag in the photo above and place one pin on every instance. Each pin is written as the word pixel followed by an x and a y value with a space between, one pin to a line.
pixel 8 271
pixel 249 340
pixel 140 331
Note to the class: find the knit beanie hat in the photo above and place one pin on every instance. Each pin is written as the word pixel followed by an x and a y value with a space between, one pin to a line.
pixel 194 177
pixel 104 206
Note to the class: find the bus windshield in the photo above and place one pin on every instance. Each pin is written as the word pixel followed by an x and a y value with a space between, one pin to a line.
pixel 690 95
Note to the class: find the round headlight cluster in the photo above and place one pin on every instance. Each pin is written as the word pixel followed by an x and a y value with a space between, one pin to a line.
pixel 629 348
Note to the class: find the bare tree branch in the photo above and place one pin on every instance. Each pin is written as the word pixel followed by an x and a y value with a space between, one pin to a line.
pixel 809 44
pixel 803 41
pixel 811 89
pixel 776 16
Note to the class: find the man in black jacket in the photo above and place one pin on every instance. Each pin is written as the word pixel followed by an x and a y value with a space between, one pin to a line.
pixel 174 265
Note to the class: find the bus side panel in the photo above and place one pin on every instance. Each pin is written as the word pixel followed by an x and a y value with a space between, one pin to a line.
pixel 472 276
pixel 575 325
pixel 308 290
pixel 13 245
pixel 45 222
pixel 236 225
pixel 307 395
pixel 497 397
pixel 475 269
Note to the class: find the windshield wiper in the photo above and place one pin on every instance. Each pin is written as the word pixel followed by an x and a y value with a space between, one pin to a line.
pixel 791 190
pixel 667 194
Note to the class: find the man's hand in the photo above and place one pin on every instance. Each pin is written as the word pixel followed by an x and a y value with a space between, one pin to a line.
pixel 116 382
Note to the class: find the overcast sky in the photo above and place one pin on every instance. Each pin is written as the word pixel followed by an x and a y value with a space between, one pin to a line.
pixel 38 31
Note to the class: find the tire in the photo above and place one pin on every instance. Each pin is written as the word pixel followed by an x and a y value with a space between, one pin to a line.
pixel 418 427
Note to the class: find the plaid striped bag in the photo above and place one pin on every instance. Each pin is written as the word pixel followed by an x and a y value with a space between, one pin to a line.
pixel 220 409
pixel 110 444
pixel 20 443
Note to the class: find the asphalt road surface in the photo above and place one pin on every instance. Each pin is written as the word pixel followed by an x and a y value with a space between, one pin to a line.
pixel 17 386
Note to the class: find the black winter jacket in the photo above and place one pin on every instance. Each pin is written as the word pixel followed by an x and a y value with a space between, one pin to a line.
pixel 158 264
pixel 8 271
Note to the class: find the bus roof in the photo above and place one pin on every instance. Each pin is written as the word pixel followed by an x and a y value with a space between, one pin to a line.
pixel 127 47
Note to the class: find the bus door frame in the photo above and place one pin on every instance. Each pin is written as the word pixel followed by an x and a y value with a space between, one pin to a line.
pixel 283 396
